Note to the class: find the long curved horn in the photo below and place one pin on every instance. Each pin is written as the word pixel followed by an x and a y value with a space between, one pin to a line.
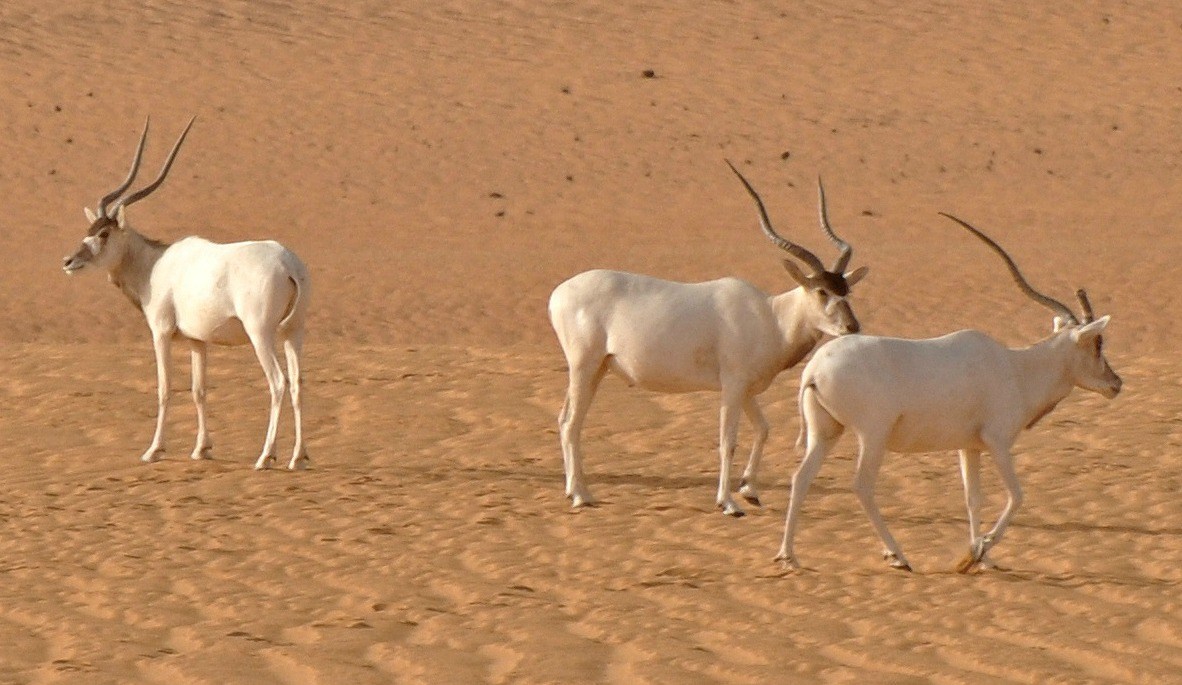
pixel 147 190
pixel 795 250
pixel 135 167
pixel 1086 305
pixel 1050 303
pixel 847 251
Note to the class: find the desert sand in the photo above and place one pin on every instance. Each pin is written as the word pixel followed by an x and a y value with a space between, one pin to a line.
pixel 441 166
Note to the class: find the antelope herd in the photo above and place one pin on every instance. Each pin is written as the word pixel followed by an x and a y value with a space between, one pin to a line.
pixel 961 391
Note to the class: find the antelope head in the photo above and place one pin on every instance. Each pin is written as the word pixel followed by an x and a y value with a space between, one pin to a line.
pixel 827 290
pixel 106 240
pixel 1081 336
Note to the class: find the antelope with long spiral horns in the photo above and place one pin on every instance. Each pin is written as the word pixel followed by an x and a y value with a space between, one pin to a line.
pixel 205 293
pixel 963 391
pixel 724 335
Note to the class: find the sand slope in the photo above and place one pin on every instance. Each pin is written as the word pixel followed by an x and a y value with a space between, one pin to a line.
pixel 440 167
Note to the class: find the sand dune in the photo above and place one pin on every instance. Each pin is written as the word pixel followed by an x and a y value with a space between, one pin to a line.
pixel 440 167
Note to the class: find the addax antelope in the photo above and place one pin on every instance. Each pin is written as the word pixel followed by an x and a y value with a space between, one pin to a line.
pixel 205 293
pixel 724 335
pixel 962 391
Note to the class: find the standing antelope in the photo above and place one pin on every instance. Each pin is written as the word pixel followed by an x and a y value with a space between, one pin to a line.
pixel 961 391
pixel 203 292
pixel 723 335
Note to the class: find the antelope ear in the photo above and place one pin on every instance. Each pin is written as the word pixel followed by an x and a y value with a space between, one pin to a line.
pixel 121 217
pixel 89 215
pixel 856 275
pixel 796 274
pixel 1085 333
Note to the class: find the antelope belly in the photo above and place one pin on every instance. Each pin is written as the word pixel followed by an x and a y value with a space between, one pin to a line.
pixel 916 432
pixel 225 332
pixel 669 373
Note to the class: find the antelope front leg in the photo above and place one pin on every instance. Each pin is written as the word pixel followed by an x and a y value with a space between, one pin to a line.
pixel 1005 467
pixel 759 423
pixel 970 471
pixel 728 432
pixel 161 342
pixel 197 351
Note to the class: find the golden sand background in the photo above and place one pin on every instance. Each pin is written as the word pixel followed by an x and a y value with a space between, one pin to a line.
pixel 441 166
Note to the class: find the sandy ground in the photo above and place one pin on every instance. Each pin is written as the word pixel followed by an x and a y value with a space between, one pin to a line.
pixel 441 166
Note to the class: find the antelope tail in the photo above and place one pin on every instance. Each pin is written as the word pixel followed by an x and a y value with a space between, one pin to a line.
pixel 296 302
pixel 805 386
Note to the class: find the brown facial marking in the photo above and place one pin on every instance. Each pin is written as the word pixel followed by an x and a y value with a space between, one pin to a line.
pixel 99 224
pixel 832 283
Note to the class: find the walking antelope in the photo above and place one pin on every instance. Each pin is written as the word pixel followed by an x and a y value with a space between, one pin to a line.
pixel 724 335
pixel 962 391
pixel 205 293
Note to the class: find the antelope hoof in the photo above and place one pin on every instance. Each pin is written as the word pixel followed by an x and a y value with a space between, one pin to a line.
pixel 299 463
pixel 731 509
pixel 975 556
pixel 897 561
pixel 202 452
pixel 153 454
pixel 787 561
pixel 749 493
pixel 578 501
pixel 264 463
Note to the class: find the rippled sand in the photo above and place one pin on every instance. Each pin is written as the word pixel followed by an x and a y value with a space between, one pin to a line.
pixel 440 167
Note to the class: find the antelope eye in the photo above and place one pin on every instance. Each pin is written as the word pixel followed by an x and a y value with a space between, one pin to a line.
pixel 103 233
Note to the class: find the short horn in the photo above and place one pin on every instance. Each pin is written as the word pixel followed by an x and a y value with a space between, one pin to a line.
pixel 783 243
pixel 1086 305
pixel 147 190
pixel 1048 302
pixel 135 167
pixel 847 251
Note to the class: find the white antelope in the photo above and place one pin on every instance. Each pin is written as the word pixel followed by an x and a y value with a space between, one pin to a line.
pixel 724 335
pixel 205 293
pixel 962 391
